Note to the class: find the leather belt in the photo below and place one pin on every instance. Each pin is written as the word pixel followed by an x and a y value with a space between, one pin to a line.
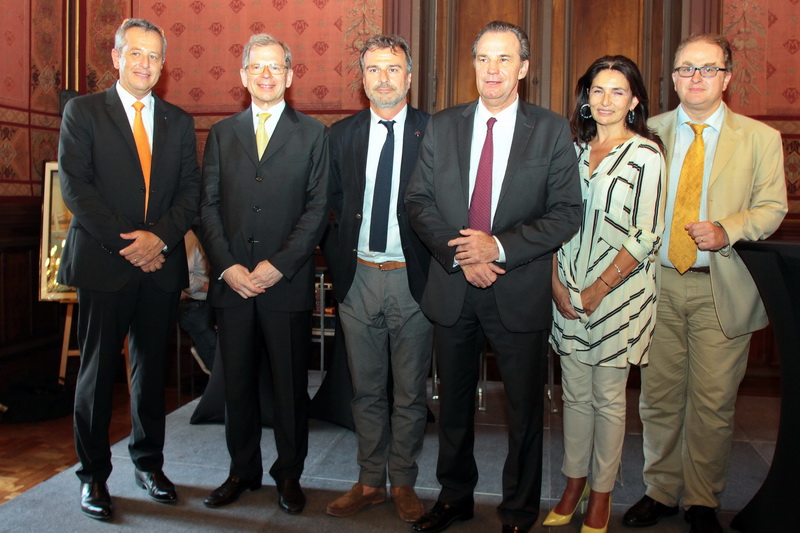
pixel 698 270
pixel 386 265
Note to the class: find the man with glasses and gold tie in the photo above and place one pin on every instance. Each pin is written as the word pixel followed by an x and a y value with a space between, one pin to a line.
pixel 263 210
pixel 125 253
pixel 726 184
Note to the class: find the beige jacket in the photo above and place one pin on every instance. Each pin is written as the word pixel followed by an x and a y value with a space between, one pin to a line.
pixel 747 197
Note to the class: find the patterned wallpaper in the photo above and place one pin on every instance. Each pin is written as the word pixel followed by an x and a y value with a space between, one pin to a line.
pixel 765 35
pixel 205 40
pixel 30 81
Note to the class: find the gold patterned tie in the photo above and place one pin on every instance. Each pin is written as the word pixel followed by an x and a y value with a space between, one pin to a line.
pixel 143 147
pixel 262 138
pixel 682 248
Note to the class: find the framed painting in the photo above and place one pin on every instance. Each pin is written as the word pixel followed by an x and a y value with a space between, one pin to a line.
pixel 55 222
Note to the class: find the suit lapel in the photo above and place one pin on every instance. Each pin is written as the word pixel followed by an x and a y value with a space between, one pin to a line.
pixel 159 133
pixel 247 134
pixel 522 134
pixel 120 118
pixel 729 137
pixel 360 140
pixel 286 127
pixel 464 141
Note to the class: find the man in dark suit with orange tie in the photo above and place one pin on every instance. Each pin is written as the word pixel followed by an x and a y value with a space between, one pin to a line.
pixel 129 174
pixel 264 206
pixel 495 192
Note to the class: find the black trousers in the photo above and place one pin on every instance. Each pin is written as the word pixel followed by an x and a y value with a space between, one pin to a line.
pixel 147 314
pixel 245 332
pixel 521 358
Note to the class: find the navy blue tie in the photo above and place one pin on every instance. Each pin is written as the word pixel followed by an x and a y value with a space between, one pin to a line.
pixel 379 221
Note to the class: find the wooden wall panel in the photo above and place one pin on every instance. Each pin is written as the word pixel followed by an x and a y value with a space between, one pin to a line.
pixel 605 28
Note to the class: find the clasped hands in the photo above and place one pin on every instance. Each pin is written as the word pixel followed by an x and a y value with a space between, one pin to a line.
pixel 476 252
pixel 249 284
pixel 145 250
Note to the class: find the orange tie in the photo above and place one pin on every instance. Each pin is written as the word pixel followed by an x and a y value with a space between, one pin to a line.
pixel 682 248
pixel 143 147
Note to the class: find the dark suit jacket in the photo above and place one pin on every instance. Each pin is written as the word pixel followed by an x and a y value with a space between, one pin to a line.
pixel 539 209
pixel 349 143
pixel 103 185
pixel 272 209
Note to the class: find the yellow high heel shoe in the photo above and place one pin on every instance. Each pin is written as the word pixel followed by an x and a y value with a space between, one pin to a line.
pixel 604 529
pixel 554 519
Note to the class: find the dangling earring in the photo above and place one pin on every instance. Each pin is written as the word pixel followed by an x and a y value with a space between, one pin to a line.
pixel 585 111
pixel 631 116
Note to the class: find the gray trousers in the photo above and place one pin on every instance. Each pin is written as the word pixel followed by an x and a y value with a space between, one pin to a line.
pixel 387 338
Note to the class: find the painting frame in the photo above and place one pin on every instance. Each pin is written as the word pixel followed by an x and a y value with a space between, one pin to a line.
pixel 55 223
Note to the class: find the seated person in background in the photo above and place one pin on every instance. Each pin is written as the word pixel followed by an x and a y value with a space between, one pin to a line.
pixel 196 315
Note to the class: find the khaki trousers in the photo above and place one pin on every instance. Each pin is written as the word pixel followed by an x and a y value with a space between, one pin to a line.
pixel 594 421
pixel 688 394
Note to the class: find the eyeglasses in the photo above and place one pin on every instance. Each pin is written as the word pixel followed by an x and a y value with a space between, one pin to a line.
pixel 257 69
pixel 706 72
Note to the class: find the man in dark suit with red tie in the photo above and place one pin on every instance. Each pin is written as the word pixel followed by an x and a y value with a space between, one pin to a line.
pixel 129 174
pixel 495 192
pixel 264 207
pixel 379 273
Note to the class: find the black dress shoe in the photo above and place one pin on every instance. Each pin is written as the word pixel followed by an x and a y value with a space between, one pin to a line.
pixel 647 512
pixel 95 500
pixel 441 516
pixel 290 496
pixel 702 519
pixel 230 491
pixel 508 528
pixel 157 485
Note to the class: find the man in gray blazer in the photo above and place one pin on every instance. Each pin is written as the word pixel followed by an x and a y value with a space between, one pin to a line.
pixel 132 201
pixel 495 192
pixel 708 304
pixel 263 210
pixel 379 275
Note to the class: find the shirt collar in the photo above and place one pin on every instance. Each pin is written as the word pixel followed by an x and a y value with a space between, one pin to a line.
pixel 128 99
pixel 274 111
pixel 482 114
pixel 714 121
pixel 399 118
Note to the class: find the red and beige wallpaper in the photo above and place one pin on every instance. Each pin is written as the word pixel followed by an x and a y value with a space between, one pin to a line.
pixel 204 53
pixel 31 77
pixel 765 36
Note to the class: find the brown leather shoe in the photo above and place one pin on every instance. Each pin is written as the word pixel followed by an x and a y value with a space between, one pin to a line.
pixel 354 500
pixel 407 504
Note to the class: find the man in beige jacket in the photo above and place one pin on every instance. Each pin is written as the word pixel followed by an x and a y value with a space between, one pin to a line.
pixel 708 305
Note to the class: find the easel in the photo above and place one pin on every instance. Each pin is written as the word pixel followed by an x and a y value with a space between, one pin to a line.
pixel 66 353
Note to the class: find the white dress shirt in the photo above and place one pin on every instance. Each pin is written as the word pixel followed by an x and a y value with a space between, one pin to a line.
pixel 377 137
pixel 502 136
pixel 128 100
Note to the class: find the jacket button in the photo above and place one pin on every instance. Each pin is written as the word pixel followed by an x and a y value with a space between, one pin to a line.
pixel 256 209
pixel 250 240
pixel 358 216
pixel 259 178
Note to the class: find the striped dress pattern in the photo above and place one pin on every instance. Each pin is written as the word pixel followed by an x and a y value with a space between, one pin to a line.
pixel 623 206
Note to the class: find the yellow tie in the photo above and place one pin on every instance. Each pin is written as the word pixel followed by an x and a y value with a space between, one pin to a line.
pixel 262 138
pixel 143 147
pixel 682 248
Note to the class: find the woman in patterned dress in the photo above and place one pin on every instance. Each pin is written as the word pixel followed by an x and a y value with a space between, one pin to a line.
pixel 604 287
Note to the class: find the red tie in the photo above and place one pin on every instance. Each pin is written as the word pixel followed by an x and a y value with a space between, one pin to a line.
pixel 480 207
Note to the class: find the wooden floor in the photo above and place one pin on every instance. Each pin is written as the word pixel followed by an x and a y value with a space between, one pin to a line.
pixel 33 452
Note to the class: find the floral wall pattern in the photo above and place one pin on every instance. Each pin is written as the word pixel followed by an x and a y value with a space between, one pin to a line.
pixel 204 54
pixel 30 82
pixel 765 36
pixel 205 41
